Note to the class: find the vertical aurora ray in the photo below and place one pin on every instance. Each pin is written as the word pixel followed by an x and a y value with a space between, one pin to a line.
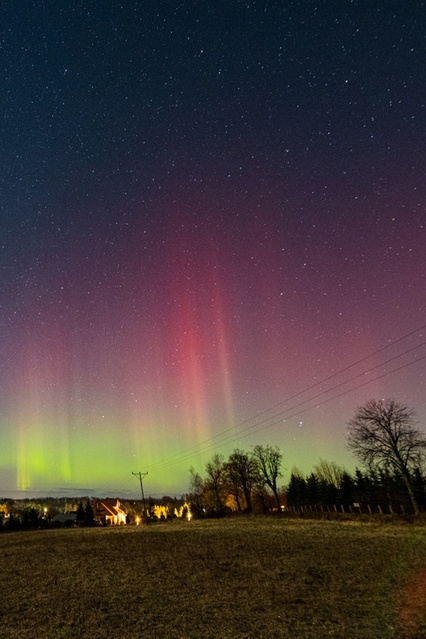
pixel 223 355
pixel 190 366
pixel 29 427
pixel 180 387
pixel 40 414
pixel 200 244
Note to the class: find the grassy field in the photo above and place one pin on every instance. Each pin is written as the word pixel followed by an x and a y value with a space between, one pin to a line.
pixel 240 578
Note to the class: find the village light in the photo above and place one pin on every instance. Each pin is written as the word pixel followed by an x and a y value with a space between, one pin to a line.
pixel 137 520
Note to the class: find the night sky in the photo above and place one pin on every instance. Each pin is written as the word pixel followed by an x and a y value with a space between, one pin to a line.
pixel 213 234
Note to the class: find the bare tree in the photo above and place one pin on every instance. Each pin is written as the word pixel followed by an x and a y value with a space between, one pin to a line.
pixel 269 463
pixel 196 492
pixel 329 472
pixel 216 481
pixel 382 434
pixel 242 473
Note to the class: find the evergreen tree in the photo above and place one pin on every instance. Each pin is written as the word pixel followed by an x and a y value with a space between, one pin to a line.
pixel 296 491
pixel 419 487
pixel 372 491
pixel 346 490
pixel 81 516
pixel 360 486
pixel 313 495
pixel 323 492
pixel 89 519
pixel 331 494
pixel 384 487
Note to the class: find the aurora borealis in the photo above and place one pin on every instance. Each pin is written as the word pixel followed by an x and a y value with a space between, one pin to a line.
pixel 212 234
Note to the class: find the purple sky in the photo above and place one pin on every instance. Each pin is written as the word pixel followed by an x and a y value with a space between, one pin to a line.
pixel 205 212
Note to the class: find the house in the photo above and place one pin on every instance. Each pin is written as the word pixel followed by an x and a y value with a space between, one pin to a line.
pixel 108 512
pixel 65 519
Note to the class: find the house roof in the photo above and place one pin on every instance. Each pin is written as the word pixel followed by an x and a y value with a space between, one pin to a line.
pixel 64 517
pixel 107 508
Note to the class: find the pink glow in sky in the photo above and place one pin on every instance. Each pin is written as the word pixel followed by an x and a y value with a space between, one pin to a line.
pixel 212 236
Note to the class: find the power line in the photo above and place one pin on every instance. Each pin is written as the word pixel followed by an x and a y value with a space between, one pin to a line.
pixel 221 438
pixel 317 405
pixel 329 390
pixel 187 457
pixel 231 429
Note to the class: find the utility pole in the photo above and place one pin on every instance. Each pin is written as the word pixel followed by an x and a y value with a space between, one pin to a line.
pixel 141 476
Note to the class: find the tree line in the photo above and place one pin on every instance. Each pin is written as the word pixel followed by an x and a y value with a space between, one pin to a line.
pixel 382 435
pixel 364 492
pixel 243 482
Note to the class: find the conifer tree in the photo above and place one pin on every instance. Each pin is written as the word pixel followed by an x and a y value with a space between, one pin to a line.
pixel 89 519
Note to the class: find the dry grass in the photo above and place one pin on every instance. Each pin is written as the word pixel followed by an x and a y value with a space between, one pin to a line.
pixel 240 578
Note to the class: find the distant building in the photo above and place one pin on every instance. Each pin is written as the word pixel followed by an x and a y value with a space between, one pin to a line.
pixel 108 512
pixel 65 519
